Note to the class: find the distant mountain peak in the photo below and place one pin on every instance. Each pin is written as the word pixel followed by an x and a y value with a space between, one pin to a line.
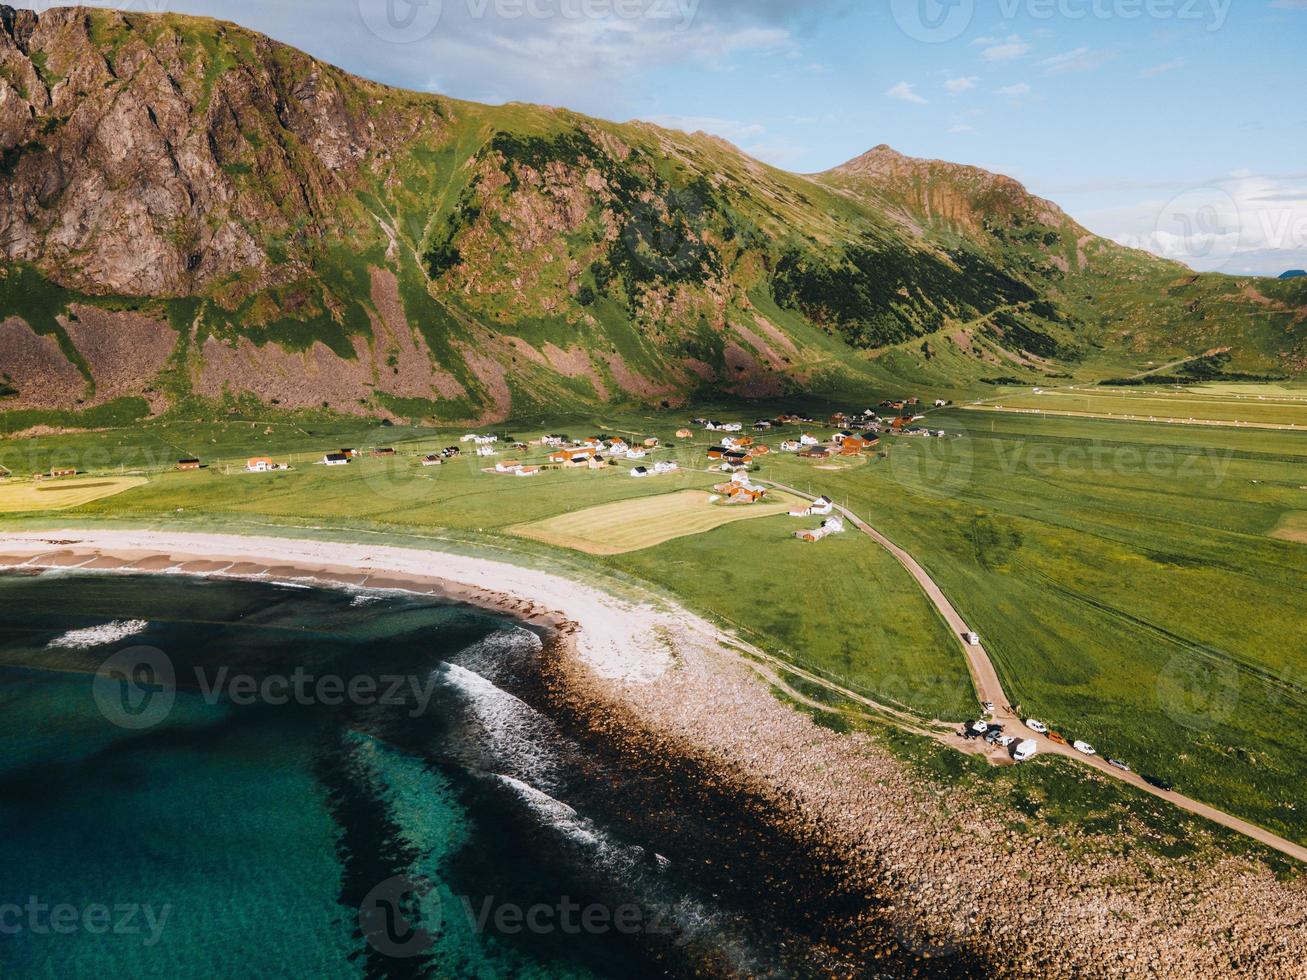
pixel 1295 274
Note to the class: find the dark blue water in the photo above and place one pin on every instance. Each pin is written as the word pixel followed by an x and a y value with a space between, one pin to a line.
pixel 269 780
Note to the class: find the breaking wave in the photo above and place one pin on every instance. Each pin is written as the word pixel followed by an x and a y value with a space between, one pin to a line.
pixel 98 636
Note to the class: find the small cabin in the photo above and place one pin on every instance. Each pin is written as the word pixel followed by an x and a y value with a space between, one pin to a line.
pixel 188 464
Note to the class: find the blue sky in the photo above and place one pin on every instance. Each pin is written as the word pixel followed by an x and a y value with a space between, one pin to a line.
pixel 1175 125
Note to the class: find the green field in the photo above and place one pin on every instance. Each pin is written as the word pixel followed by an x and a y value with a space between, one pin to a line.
pixel 1126 584
pixel 25 497
pixel 1292 528
pixel 1250 404
pixel 1124 575
pixel 633 525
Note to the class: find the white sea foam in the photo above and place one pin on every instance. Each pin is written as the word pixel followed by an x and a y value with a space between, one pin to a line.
pixel 514 736
pixel 98 636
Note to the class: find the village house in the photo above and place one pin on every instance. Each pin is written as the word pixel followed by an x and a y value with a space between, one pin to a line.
pixel 684 434
pixel 815 452
pixel 378 453
pixel 639 473
pixel 484 451
pixel 507 466
pixel 717 452
pixel 259 464
pixel 335 459
pixel 555 441
pixel 809 440
pixel 653 442
pixel 821 507
pixel 528 471
pixel 757 451
pixel 741 491
pixel 666 466
pixel 791 446
pixel 574 458
pixel 432 461
pixel 832 525
pixel 762 425
pixel 637 453
pixel 55 474
pixel 188 464
pixel 349 452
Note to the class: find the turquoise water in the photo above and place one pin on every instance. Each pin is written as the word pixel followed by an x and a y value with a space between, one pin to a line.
pixel 470 825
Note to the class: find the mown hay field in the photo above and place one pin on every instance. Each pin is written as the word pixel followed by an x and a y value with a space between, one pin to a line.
pixel 633 525
pixel 18 498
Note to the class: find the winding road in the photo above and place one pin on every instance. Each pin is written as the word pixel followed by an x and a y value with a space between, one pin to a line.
pixel 990 689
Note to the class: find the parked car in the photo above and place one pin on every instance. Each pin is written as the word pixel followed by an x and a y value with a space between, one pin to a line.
pixel 1084 747
pixel 978 728
pixel 1025 750
pixel 1159 782
pixel 1036 726
pixel 1055 737
pixel 1118 764
pixel 988 705
pixel 1005 740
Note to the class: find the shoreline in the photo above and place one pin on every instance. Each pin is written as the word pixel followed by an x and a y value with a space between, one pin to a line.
pixel 656 680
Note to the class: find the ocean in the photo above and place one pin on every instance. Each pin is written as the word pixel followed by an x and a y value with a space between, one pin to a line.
pixel 232 778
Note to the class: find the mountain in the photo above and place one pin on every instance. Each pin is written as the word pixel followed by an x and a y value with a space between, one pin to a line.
pixel 195 218
pixel 1294 274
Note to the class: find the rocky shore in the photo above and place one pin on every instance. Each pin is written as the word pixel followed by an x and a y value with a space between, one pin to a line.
pixel 940 866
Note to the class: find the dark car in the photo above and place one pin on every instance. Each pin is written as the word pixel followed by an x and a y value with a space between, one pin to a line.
pixel 1157 782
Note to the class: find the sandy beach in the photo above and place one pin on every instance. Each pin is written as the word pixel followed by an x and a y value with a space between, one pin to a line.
pixel 946 865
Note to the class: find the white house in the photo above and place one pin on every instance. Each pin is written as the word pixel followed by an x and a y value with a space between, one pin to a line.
pixel 809 440
pixel 507 466
pixel 640 473
pixel 636 453
pixel 666 466
pixel 822 507
pixel 485 440
pixel 791 446
pixel 336 459
pixel 486 451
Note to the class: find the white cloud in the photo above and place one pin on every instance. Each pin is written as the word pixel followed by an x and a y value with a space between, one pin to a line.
pixel 956 86
pixel 1007 49
pixel 1163 68
pixel 1243 223
pixel 904 92
pixel 1081 59
pixel 962 128
pixel 1017 91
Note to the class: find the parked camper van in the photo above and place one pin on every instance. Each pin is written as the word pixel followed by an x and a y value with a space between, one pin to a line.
pixel 1025 750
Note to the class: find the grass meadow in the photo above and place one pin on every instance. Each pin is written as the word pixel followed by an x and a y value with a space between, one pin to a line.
pixel 1126 576
pixel 633 525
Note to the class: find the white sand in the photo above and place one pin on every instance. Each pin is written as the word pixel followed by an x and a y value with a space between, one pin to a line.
pixel 619 640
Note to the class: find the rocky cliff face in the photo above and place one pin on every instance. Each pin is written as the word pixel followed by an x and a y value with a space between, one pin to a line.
pixel 192 214
pixel 125 141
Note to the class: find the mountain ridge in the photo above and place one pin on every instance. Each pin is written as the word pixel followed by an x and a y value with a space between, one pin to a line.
pixel 278 233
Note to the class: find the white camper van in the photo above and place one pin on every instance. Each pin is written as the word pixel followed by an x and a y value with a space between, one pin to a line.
pixel 1025 750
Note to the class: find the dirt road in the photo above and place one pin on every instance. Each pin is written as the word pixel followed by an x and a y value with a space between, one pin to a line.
pixel 990 689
